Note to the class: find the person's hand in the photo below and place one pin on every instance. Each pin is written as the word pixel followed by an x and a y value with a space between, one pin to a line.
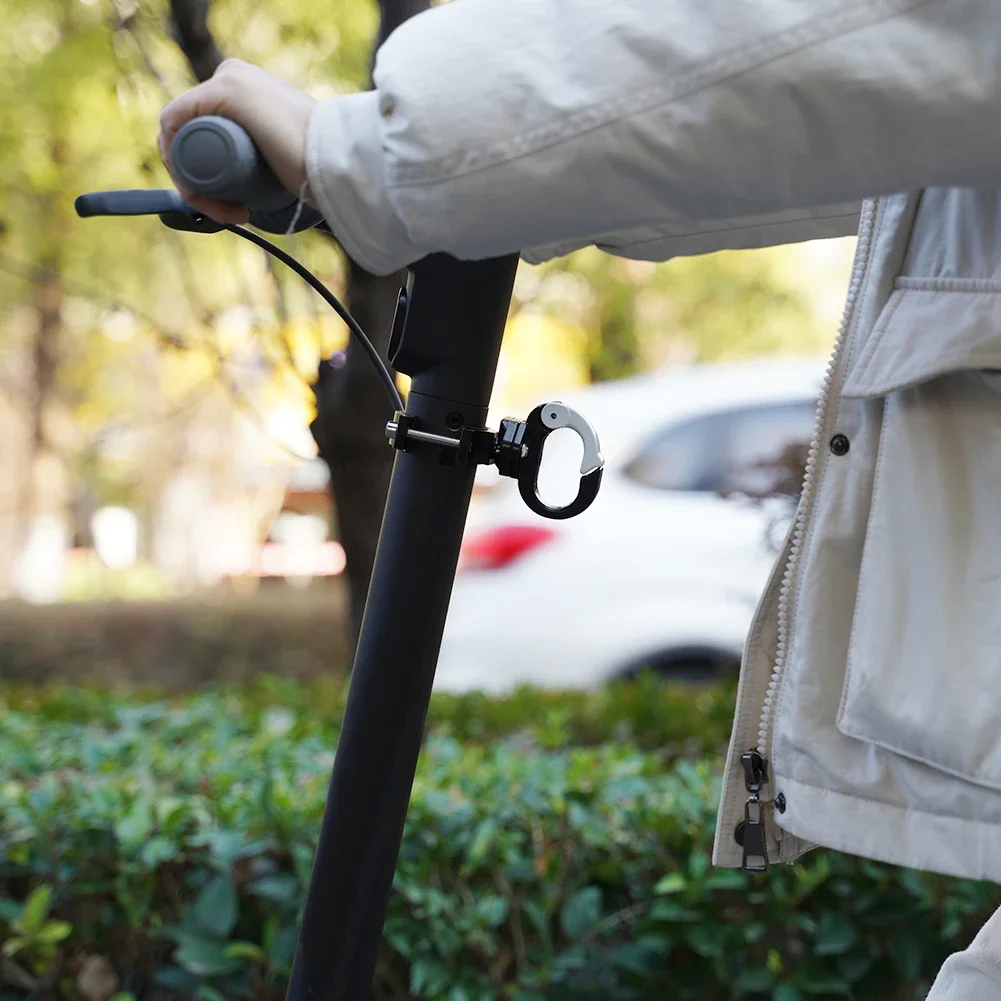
pixel 272 111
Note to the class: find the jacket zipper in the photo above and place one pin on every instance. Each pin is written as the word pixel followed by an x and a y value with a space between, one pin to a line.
pixel 755 761
pixel 752 839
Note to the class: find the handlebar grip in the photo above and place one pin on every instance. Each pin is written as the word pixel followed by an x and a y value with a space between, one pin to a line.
pixel 216 157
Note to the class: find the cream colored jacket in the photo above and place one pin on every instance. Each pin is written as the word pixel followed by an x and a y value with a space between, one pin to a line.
pixel 871 683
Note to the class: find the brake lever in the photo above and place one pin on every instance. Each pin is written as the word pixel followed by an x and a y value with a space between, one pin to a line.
pixel 190 221
pixel 172 210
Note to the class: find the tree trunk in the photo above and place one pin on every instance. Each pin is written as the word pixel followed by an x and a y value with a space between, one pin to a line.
pixel 351 405
pixel 39 487
pixel 350 432
pixel 190 29
pixel 42 527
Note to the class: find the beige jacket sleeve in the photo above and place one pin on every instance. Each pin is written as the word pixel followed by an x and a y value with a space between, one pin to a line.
pixel 653 127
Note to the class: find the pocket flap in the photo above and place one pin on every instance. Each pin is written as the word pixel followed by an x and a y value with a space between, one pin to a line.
pixel 928 328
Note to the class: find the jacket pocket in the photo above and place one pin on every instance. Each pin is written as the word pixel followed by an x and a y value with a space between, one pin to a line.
pixel 924 664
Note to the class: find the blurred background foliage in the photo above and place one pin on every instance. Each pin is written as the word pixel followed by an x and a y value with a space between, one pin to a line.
pixel 131 355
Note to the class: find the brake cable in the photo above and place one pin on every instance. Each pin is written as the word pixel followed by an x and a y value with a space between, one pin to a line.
pixel 385 377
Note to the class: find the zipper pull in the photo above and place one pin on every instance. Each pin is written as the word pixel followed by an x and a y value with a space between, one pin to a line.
pixel 752 840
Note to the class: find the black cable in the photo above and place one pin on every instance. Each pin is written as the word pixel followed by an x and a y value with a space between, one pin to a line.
pixel 307 276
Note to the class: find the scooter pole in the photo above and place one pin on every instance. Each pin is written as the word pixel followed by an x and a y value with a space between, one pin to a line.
pixel 450 344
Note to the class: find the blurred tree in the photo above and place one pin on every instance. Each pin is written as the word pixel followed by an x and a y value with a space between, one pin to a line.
pixel 38 163
pixel 350 424
pixel 351 408
pixel 632 315
pixel 130 354
pixel 75 111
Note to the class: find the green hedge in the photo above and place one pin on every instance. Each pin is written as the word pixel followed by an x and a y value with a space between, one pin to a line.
pixel 673 719
pixel 161 851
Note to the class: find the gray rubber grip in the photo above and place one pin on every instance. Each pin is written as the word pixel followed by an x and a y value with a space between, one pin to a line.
pixel 214 156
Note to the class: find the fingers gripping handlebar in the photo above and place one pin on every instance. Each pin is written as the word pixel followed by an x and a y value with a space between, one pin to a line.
pixel 214 156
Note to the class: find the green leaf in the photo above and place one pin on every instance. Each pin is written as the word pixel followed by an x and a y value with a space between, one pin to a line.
pixel 673 882
pixel 419 972
pixel 207 993
pixel 755 981
pixel 906 952
pixel 639 957
pixel 14 945
pixel 246 950
pixel 698 864
pixel 427 977
pixel 205 957
pixel 53 932
pixel 175 979
pixel 226 847
pixel 281 887
pixel 581 912
pixel 854 965
pixel 707 940
pixel 786 992
pixel 835 935
pixel 281 949
pixel 664 910
pixel 539 922
pixel 914 882
pixel 492 910
pixel 486 834
pixel 10 910
pixel 891 912
pixel 727 879
pixel 822 983
pixel 135 827
pixel 158 850
pixel 215 911
pixel 35 910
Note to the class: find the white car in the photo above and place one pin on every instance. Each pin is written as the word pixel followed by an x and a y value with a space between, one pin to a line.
pixel 664 570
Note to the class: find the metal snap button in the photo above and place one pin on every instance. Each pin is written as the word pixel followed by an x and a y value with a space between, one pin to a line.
pixel 840 444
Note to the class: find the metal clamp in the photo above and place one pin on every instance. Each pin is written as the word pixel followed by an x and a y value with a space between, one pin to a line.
pixel 517 450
